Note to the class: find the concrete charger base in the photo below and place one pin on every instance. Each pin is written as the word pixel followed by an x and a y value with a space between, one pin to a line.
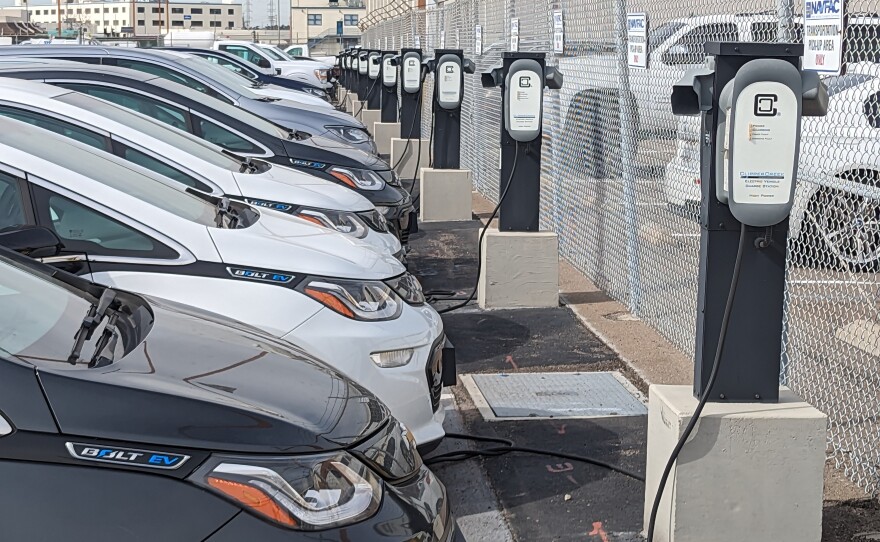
pixel 405 157
pixel 383 133
pixel 445 195
pixel 370 117
pixel 351 101
pixel 518 270
pixel 749 470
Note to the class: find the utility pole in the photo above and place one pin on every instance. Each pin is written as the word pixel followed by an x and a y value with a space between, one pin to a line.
pixel 59 19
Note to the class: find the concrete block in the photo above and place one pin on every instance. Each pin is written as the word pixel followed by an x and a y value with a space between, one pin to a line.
pixel 350 102
pixel 359 108
pixel 518 269
pixel 445 194
pixel 370 117
pixel 405 157
pixel 383 132
pixel 750 470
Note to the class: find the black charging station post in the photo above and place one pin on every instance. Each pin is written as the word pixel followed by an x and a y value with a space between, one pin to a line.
pixel 750 363
pixel 410 80
pixel 449 67
pixel 374 92
pixel 388 92
pixel 519 207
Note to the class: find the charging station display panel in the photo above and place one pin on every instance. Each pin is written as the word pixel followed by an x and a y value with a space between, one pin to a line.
pixel 764 140
pixel 354 63
pixel 362 65
pixel 373 66
pixel 389 72
pixel 523 107
pixel 412 68
pixel 449 81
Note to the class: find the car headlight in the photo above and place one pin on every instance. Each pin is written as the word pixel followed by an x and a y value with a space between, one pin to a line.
pixel 341 221
pixel 321 75
pixel 368 300
pixel 358 178
pixel 305 493
pixel 315 92
pixel 375 219
pixel 391 178
pixel 407 287
pixel 350 133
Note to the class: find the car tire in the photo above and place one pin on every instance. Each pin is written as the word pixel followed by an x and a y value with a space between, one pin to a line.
pixel 841 230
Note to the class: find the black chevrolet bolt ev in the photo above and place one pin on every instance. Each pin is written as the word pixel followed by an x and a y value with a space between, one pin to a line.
pixel 231 128
pixel 127 418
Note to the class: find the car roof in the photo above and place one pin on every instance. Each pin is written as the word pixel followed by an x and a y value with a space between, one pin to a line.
pixel 89 50
pixel 42 64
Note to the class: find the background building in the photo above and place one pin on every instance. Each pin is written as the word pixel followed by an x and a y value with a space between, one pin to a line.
pixel 133 17
pixel 326 25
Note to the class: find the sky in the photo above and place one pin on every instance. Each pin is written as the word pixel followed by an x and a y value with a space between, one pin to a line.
pixel 258 9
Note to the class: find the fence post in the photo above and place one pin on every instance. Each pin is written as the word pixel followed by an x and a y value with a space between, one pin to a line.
pixel 628 149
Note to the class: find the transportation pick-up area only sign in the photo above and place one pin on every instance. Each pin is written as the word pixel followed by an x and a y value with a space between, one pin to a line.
pixel 637 40
pixel 823 36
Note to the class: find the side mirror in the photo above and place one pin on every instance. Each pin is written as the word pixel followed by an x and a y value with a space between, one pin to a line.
pixel 263 63
pixel 32 241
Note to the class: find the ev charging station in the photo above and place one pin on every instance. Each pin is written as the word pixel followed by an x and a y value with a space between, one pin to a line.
pixel 387 127
pixel 445 187
pixel 363 81
pixel 405 156
pixel 757 455
pixel 371 113
pixel 519 263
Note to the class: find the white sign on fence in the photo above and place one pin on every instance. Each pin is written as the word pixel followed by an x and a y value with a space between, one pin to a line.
pixel 558 32
pixel 417 42
pixel 514 35
pixel 823 36
pixel 478 40
pixel 637 40
pixel 442 39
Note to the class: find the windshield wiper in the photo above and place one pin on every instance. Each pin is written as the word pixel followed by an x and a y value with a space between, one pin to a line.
pixel 298 135
pixel 90 323
pixel 268 99
pixel 225 211
pixel 258 84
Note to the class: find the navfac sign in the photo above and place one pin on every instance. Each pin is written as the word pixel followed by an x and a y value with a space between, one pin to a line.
pixel 637 40
pixel 823 36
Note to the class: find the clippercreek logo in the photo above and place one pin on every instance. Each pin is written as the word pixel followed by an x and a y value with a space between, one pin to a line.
pixel 126 456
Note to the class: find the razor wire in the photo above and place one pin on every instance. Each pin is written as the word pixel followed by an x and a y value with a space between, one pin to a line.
pixel 621 180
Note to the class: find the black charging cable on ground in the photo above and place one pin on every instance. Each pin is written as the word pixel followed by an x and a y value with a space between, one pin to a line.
pixel 713 375
pixel 508 446
pixel 483 234
pixel 364 103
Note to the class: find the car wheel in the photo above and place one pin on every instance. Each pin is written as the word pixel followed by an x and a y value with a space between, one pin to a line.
pixel 847 226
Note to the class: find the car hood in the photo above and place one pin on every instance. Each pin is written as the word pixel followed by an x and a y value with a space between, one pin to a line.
pixel 279 242
pixel 285 185
pixel 332 152
pixel 201 381
pixel 308 118
pixel 301 98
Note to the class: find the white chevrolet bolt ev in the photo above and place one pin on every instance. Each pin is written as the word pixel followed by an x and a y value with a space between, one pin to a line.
pixel 330 294
pixel 193 161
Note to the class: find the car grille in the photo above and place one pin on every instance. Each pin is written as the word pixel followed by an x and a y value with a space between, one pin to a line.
pixel 434 372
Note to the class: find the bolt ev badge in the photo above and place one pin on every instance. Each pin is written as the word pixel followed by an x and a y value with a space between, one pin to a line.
pixel 267 276
pixel 126 456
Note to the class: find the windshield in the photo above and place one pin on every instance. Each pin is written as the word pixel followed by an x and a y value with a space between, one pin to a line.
pixel 836 85
pixel 103 168
pixel 188 143
pixel 33 308
pixel 273 53
pixel 228 78
pixel 222 107
pixel 229 65
pixel 662 33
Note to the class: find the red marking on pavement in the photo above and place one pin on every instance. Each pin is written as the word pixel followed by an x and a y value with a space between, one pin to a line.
pixel 598 531
pixel 509 359
pixel 560 467
pixel 561 430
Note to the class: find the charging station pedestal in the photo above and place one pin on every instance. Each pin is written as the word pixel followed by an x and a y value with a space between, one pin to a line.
pixel 371 113
pixel 387 127
pixel 362 84
pixel 405 156
pixel 519 263
pixel 753 465
pixel 445 188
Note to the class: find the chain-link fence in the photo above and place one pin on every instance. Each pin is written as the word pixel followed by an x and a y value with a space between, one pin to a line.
pixel 621 179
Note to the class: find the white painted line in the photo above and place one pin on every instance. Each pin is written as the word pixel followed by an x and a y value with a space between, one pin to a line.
pixel 836 282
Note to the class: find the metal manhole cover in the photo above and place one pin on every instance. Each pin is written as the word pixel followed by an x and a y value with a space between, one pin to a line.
pixel 555 395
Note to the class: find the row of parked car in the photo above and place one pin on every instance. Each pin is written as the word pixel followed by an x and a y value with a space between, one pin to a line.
pixel 207 328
